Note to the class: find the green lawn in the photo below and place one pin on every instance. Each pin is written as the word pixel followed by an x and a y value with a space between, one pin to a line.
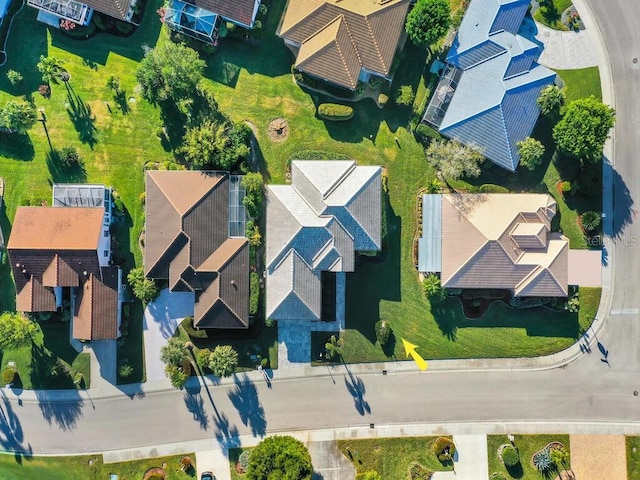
pixel 527 445
pixel 581 83
pixel 87 467
pixel 551 15
pixel 390 457
pixel 633 457
pixel 234 455
pixel 50 362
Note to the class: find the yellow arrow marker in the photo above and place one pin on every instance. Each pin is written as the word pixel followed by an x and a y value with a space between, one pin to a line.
pixel 410 349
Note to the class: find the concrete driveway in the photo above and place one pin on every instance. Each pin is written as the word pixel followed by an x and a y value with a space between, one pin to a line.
pixel 161 318
pixel 568 50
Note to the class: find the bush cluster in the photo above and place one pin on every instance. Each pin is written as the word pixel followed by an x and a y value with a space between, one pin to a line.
pixel 492 188
pixel 254 295
pixel 444 449
pixel 383 332
pixel 334 111
pixel 510 456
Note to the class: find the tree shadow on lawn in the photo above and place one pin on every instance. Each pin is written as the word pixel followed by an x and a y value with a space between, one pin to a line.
pixel 16 146
pixel 376 279
pixel 537 321
pixel 245 399
pixel 60 174
pixel 82 118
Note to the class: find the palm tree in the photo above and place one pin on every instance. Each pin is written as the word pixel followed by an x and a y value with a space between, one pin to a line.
pixel 174 352
pixel 333 348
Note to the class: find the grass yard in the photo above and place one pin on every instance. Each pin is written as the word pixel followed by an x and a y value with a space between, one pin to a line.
pixel 51 362
pixel 527 445
pixel 234 455
pixel 551 13
pixel 74 468
pixel 633 457
pixel 390 457
pixel 581 83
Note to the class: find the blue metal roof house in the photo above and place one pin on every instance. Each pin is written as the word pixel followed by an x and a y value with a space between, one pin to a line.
pixel 487 94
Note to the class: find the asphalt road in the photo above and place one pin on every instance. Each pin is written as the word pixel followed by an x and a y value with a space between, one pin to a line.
pixel 585 390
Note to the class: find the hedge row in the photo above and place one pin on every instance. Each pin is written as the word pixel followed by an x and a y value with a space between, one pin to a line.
pixel 334 111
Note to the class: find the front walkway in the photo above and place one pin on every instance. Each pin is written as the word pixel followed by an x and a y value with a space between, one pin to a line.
pixel 329 463
pixel 161 319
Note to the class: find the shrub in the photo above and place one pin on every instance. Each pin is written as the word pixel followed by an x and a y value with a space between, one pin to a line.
pixel 510 456
pixel 263 9
pixel 44 90
pixel 418 471
pixel 244 460
pixel 433 288
pixel 270 323
pixel 565 186
pixel 405 95
pixel 444 449
pixel 497 476
pixel 591 220
pixel 542 460
pixel 491 188
pixel 143 198
pixel 202 357
pixel 383 332
pixel 572 305
pixel 383 99
pixel 8 376
pixel 70 158
pixel 125 370
pixel 427 133
pixel 375 82
pixel 254 296
pixel 15 78
pixel 257 24
pixel 370 475
pixel 334 111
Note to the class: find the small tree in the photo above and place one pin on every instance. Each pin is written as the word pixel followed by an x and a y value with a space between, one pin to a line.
pixel 16 330
pixel 70 158
pixel 433 288
pixel 531 152
pixel 223 361
pixel 280 457
pixel 50 68
pixel 591 220
pixel 405 95
pixel 202 357
pixel 15 78
pixel 113 83
pixel 252 233
pixel 177 376
pixel 572 305
pixel 143 288
pixel 125 370
pixel 333 348
pixel 454 160
pixel 428 22
pixel 18 115
pixel 174 352
pixel 551 99
pixel 584 128
pixel 383 332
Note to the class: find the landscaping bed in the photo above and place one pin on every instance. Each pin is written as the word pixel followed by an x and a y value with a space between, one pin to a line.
pixel 526 446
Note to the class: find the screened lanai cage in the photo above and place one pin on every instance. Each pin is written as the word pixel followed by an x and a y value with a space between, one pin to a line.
pixel 193 21
pixel 77 12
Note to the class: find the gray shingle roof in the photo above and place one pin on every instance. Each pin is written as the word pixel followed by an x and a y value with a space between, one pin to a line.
pixel 330 210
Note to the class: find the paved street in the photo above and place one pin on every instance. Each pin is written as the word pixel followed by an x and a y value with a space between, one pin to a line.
pixel 585 396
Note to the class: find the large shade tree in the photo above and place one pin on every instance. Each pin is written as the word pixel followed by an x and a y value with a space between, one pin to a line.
pixel 16 330
pixel 170 71
pixel 281 458
pixel 428 22
pixel 454 160
pixel 584 128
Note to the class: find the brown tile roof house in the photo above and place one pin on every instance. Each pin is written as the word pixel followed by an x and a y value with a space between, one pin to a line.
pixel 188 243
pixel 59 247
pixel 336 39
pixel 503 241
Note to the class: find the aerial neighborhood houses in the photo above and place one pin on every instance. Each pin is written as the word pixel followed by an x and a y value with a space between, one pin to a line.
pixel 487 94
pixel 344 41
pixel 61 261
